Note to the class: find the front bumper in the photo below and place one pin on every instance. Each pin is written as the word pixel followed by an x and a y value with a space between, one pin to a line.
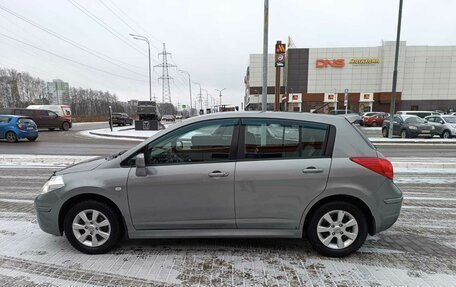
pixel 47 212
pixel 417 133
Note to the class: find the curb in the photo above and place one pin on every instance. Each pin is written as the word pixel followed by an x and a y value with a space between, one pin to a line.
pixel 117 136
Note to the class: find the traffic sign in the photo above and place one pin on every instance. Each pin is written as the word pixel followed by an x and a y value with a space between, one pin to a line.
pixel 345 97
pixel 280 60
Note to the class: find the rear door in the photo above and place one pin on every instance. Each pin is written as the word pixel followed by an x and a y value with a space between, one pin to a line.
pixel 283 166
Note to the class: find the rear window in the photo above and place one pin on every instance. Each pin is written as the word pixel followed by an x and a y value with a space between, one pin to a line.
pixel 26 121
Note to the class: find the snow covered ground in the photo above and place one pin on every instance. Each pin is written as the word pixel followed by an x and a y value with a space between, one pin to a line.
pixel 417 251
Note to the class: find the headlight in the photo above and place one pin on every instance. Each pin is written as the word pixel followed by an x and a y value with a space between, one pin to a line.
pixel 53 183
pixel 412 127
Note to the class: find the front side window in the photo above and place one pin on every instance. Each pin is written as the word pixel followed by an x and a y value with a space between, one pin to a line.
pixel 4 120
pixel 198 143
pixel 272 139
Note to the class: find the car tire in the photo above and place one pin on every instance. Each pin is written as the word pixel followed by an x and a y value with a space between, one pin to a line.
pixel 385 132
pixel 446 134
pixel 404 134
pixel 334 242
pixel 90 230
pixel 11 137
pixel 32 139
pixel 65 126
pixel 374 124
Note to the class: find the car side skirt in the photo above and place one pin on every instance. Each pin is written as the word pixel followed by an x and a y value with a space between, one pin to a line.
pixel 216 233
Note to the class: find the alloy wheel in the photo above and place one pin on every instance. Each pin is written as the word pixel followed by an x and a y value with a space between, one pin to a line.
pixel 11 137
pixel 446 135
pixel 337 229
pixel 91 228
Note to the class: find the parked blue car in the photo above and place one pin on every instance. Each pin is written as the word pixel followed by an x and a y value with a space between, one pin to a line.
pixel 13 128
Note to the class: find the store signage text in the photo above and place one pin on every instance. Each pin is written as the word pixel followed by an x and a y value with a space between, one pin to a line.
pixel 364 61
pixel 335 63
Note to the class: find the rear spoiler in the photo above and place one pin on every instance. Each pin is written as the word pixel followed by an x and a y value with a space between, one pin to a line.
pixel 351 118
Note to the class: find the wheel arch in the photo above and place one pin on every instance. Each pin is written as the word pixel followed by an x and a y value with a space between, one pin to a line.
pixel 86 197
pixel 346 198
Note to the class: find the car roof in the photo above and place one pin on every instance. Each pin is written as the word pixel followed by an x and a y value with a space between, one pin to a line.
pixel 324 118
pixel 12 116
pixel 408 116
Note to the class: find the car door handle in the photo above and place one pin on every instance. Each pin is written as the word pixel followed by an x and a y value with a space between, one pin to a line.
pixel 218 173
pixel 312 169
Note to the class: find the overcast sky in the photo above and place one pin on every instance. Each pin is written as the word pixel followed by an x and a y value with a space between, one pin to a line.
pixel 211 39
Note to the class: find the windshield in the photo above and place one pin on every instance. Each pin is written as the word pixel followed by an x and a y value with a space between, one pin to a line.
pixel 414 120
pixel 450 120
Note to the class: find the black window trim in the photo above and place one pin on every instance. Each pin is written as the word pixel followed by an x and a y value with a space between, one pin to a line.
pixel 233 149
pixel 328 148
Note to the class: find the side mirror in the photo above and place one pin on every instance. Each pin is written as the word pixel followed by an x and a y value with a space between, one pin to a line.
pixel 442 122
pixel 140 165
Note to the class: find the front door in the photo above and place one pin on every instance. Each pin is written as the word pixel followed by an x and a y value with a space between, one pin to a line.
pixel 190 179
pixel 284 166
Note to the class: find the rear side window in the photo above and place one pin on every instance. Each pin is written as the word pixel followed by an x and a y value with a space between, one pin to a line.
pixel 25 112
pixel 278 139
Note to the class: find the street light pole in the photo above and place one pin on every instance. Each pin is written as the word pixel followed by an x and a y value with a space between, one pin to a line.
pixel 190 87
pixel 265 57
pixel 143 38
pixel 396 57
pixel 199 98
pixel 220 95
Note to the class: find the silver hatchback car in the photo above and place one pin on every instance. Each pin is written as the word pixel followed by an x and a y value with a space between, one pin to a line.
pixel 237 174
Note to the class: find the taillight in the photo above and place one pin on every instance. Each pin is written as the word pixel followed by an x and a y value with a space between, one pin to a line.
pixel 379 165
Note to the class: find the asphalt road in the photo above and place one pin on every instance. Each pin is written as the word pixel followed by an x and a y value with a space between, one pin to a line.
pixel 73 143
pixel 68 143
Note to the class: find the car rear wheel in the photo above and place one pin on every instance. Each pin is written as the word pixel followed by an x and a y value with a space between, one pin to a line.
pixel 11 137
pixel 385 132
pixel 65 126
pixel 374 124
pixel 446 135
pixel 32 139
pixel 92 227
pixel 337 229
pixel 404 134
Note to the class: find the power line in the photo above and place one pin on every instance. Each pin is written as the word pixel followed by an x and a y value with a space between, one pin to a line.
pixel 104 25
pixel 69 41
pixel 122 20
pixel 68 59
pixel 136 23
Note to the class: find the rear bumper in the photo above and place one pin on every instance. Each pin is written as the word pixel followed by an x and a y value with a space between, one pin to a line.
pixel 389 208
pixel 26 134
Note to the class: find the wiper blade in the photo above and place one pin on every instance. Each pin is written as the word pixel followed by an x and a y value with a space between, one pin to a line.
pixel 113 156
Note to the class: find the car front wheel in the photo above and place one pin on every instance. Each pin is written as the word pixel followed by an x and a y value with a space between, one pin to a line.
pixel 337 229
pixel 92 227
pixel 446 135
pixel 385 132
